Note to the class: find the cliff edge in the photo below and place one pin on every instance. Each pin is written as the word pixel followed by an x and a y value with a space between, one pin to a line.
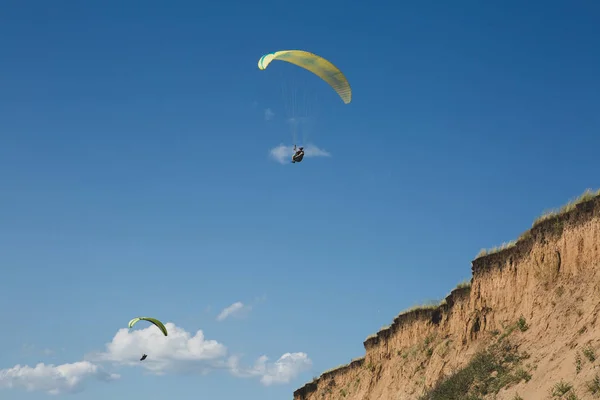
pixel 523 328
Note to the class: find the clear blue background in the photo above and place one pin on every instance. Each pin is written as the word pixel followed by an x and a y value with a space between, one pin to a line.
pixel 135 177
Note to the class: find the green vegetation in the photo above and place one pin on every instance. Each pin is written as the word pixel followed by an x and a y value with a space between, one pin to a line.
pixel 428 340
pixel 429 352
pixel 564 390
pixel 561 388
pixel 488 371
pixel 507 332
pixel 522 324
pixel 522 374
pixel 370 366
pixel 497 367
pixel 445 349
pixel 589 353
pixel 427 346
pixel 593 386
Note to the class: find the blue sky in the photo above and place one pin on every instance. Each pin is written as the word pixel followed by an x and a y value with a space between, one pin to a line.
pixel 136 179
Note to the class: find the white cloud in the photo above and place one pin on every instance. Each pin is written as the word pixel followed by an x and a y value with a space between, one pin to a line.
pixel 65 378
pixel 237 309
pixel 183 353
pixel 313 151
pixel 288 367
pixel 283 154
pixel 178 351
pixel 269 114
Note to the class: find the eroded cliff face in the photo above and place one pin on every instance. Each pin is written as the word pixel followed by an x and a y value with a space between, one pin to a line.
pixel 537 300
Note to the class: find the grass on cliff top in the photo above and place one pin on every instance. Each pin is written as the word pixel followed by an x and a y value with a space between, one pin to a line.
pixel 497 249
pixel 339 367
pixel 464 284
pixel 334 369
pixel 427 305
pixel 589 194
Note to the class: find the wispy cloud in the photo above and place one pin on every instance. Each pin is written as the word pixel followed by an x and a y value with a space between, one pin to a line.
pixel 53 379
pixel 30 349
pixel 289 366
pixel 269 114
pixel 237 309
pixel 283 154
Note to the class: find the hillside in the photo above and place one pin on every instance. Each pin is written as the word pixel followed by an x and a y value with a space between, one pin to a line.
pixel 525 327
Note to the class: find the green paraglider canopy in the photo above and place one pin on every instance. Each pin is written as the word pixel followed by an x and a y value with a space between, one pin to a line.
pixel 156 322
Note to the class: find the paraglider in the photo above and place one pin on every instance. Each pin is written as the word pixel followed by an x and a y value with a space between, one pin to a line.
pixel 297 107
pixel 298 155
pixel 154 321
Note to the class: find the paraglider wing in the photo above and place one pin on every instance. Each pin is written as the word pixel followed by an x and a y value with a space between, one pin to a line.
pixel 152 320
pixel 315 64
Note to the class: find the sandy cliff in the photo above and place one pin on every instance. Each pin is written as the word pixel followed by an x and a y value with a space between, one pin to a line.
pixel 525 327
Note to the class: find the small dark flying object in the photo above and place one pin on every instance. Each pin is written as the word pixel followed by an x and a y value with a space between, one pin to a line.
pixel 143 357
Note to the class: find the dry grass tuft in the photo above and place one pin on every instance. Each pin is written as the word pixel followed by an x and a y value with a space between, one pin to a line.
pixel 589 194
pixel 497 249
pixel 464 284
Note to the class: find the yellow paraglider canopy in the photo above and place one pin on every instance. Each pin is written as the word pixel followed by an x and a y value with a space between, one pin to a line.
pixel 315 64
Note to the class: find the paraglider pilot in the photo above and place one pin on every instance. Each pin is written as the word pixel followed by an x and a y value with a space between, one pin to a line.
pixel 299 155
